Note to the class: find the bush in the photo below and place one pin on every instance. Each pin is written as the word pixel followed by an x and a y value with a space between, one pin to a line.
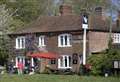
pixel 96 60
pixel 103 61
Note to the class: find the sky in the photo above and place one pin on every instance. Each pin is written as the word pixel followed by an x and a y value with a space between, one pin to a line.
pixel 114 15
pixel 116 2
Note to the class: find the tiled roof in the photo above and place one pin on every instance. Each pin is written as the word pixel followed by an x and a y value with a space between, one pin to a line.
pixel 52 24
pixel 64 23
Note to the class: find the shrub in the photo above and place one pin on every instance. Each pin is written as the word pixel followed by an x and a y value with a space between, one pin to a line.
pixel 96 60
pixel 103 60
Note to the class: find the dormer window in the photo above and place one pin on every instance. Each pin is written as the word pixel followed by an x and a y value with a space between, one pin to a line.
pixel 41 41
pixel 20 42
pixel 116 38
pixel 64 40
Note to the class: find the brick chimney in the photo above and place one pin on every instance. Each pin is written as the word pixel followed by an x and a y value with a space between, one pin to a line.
pixel 98 11
pixel 118 15
pixel 118 19
pixel 65 10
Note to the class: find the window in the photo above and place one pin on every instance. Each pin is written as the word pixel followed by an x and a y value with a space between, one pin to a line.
pixel 53 61
pixel 20 59
pixel 41 41
pixel 75 58
pixel 20 42
pixel 116 38
pixel 64 62
pixel 64 40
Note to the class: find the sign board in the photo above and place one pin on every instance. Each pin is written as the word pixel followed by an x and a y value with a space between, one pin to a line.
pixel 85 26
pixel 116 64
pixel 85 21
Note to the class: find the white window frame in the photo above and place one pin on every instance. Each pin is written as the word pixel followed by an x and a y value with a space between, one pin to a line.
pixel 19 59
pixel 62 36
pixel 63 62
pixel 20 42
pixel 116 37
pixel 41 41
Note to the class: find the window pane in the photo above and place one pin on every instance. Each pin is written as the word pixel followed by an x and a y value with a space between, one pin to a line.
pixel 41 41
pixel 70 39
pixel 53 61
pixel 70 61
pixel 65 61
pixel 61 61
pixel 18 42
pixel 66 37
pixel 22 42
pixel 116 38
pixel 61 40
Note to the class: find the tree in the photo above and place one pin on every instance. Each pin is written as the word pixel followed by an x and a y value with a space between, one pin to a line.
pixel 5 18
pixel 29 10
pixel 5 23
pixel 89 5
pixel 4 49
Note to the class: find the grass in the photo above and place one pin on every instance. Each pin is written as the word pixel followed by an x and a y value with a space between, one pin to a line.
pixel 55 78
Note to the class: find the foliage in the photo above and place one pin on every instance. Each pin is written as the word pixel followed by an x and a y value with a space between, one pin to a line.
pixel 5 23
pixel 5 18
pixel 96 60
pixel 103 60
pixel 29 10
pixel 4 49
pixel 89 5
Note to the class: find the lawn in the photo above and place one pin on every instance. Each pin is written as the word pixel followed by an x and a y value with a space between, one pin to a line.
pixel 55 78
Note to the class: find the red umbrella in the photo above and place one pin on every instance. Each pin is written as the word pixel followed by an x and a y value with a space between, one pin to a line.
pixel 47 55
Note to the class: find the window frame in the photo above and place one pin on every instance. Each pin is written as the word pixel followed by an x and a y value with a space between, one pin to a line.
pixel 53 61
pixel 41 41
pixel 20 42
pixel 65 43
pixel 61 62
pixel 116 37
pixel 18 59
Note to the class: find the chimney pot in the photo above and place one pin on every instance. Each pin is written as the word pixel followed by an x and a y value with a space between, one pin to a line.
pixel 98 10
pixel 119 14
pixel 65 10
